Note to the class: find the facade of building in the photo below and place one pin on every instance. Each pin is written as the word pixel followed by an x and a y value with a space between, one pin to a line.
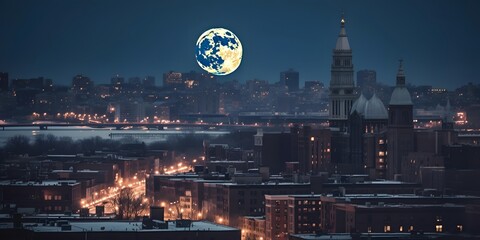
pixel 276 215
pixel 172 79
pixel 304 214
pixel 290 79
pixel 291 214
pixel 342 83
pixel 253 228
pixel 400 126
pixel 42 196
pixel 82 88
pixel 366 82
pixel 395 213
pixel 227 203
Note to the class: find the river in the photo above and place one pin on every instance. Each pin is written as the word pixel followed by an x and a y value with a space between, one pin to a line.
pixel 77 133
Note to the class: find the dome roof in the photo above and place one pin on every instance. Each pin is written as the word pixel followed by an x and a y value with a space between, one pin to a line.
pixel 374 109
pixel 342 41
pixel 359 105
pixel 401 96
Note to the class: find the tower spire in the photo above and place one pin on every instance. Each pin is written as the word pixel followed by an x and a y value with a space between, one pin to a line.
pixel 400 75
pixel 342 40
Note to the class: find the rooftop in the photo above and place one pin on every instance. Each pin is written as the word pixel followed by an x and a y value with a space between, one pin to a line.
pixel 397 196
pixel 39 183
pixel 123 226
pixel 348 236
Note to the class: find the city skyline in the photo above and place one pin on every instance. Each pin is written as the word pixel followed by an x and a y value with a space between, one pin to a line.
pixel 434 38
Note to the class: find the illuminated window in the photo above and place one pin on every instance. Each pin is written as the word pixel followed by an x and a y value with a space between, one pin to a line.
pixel 48 197
pixel 438 228
pixel 381 141
pixel 387 228
pixel 459 228
pixel 381 153
pixel 410 228
pixel 401 229
pixel 369 229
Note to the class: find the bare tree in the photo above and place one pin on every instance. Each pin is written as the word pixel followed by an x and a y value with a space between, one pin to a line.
pixel 18 144
pixel 127 206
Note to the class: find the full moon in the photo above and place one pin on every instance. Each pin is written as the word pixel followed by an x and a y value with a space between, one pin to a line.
pixel 219 51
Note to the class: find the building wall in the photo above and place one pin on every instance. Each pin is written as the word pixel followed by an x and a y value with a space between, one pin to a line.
pixel 304 214
pixel 44 198
pixel 398 218
pixel 276 215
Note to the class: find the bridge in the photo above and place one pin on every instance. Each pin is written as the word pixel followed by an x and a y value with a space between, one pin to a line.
pixel 159 126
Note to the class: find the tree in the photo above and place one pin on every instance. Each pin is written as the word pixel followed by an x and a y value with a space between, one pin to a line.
pixel 127 206
pixel 17 145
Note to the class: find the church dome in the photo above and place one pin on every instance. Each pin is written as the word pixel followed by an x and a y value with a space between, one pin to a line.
pixel 401 96
pixel 359 105
pixel 374 109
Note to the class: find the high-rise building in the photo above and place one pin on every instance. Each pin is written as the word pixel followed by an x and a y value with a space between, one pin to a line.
pixel 202 80
pixel 117 83
pixel 341 99
pixel 117 80
pixel 149 81
pixel 3 81
pixel 313 86
pixel 39 83
pixel 366 81
pixel 135 81
pixel 81 86
pixel 172 79
pixel 400 126
pixel 290 79
pixel 341 83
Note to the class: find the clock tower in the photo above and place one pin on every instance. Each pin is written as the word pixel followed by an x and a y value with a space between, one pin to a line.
pixel 341 82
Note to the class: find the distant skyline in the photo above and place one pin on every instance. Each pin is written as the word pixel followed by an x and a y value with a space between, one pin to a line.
pixel 57 39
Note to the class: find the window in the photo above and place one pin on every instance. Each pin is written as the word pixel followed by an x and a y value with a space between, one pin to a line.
pixel 410 228
pixel 369 229
pixel 459 228
pixel 401 229
pixel 48 197
pixel 438 228
pixel 57 197
pixel 387 228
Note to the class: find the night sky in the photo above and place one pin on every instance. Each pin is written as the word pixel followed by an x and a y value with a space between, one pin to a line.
pixel 438 40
